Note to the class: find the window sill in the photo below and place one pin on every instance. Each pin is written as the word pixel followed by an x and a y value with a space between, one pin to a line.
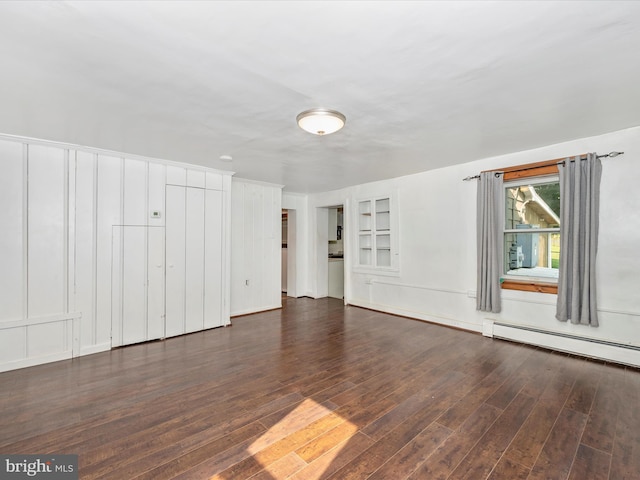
pixel 529 286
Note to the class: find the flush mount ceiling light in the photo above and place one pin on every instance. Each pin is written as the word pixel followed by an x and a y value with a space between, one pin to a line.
pixel 320 121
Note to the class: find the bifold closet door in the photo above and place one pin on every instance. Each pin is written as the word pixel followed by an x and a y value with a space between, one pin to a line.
pixel 213 260
pixel 194 260
pixel 175 223
pixel 137 284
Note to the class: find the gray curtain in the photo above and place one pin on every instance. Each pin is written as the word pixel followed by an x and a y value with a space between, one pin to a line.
pixel 579 207
pixel 490 220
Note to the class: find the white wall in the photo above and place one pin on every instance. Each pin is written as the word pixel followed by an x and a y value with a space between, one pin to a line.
pixel 256 246
pixel 58 208
pixel 437 252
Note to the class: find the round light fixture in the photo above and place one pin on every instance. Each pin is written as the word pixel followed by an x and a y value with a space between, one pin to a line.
pixel 320 121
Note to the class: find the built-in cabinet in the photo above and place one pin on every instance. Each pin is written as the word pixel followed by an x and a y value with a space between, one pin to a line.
pixel 256 230
pixel 375 233
pixel 194 259
pixel 101 250
pixel 168 280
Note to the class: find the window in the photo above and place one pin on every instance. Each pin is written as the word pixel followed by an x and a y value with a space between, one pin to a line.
pixel 532 229
pixel 376 234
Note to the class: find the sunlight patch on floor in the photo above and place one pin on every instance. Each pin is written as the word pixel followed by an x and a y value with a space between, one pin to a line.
pixel 311 432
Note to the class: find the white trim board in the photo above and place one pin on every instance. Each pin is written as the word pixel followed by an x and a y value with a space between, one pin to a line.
pixel 602 350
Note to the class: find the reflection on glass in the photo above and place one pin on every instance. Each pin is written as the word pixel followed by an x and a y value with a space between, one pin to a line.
pixel 534 205
pixel 532 254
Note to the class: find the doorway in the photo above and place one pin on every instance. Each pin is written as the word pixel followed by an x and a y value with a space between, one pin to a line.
pixel 331 253
pixel 335 248
pixel 289 254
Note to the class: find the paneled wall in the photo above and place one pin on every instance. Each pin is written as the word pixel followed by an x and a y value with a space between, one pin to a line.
pixel 256 231
pixel 83 249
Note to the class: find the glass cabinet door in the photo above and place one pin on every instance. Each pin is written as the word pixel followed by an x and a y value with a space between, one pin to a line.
pixel 374 233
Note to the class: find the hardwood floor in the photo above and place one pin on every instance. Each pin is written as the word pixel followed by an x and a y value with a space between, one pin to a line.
pixel 316 391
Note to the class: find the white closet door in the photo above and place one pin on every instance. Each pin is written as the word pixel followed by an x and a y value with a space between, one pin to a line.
pixel 138 284
pixel 155 283
pixel 175 260
pixel 213 260
pixel 194 274
pixel 134 277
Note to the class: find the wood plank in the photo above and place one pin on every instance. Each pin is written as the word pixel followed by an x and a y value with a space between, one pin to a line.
pixel 371 459
pixel 559 450
pixel 526 446
pixel 448 455
pixel 583 392
pixel 452 385
pixel 318 390
pixel 264 456
pixel 507 469
pixel 342 454
pixel 327 441
pixel 590 463
pixel 282 468
pixel 413 454
pixel 481 459
pixel 492 380
pixel 600 430
pixel 625 456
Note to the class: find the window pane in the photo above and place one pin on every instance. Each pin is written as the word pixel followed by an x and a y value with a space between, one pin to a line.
pixel 533 206
pixel 532 254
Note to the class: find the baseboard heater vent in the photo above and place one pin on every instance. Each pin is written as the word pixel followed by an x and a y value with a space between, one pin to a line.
pixel 574 344
pixel 567 335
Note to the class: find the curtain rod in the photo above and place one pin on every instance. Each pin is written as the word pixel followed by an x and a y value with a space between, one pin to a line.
pixel 558 161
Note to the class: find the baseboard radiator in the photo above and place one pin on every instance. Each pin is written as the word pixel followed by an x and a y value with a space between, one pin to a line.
pixel 586 346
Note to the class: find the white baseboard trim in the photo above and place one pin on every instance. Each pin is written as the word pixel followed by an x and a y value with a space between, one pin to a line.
pixel 586 347
pixel 91 349
pixel 33 361
pixel 255 310
pixel 424 316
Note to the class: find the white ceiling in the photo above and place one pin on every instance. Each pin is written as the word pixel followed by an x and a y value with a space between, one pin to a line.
pixel 423 84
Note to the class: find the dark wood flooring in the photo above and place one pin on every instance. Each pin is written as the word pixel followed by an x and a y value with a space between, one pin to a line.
pixel 317 390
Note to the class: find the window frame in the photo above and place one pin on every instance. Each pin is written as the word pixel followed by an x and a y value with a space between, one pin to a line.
pixel 548 169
